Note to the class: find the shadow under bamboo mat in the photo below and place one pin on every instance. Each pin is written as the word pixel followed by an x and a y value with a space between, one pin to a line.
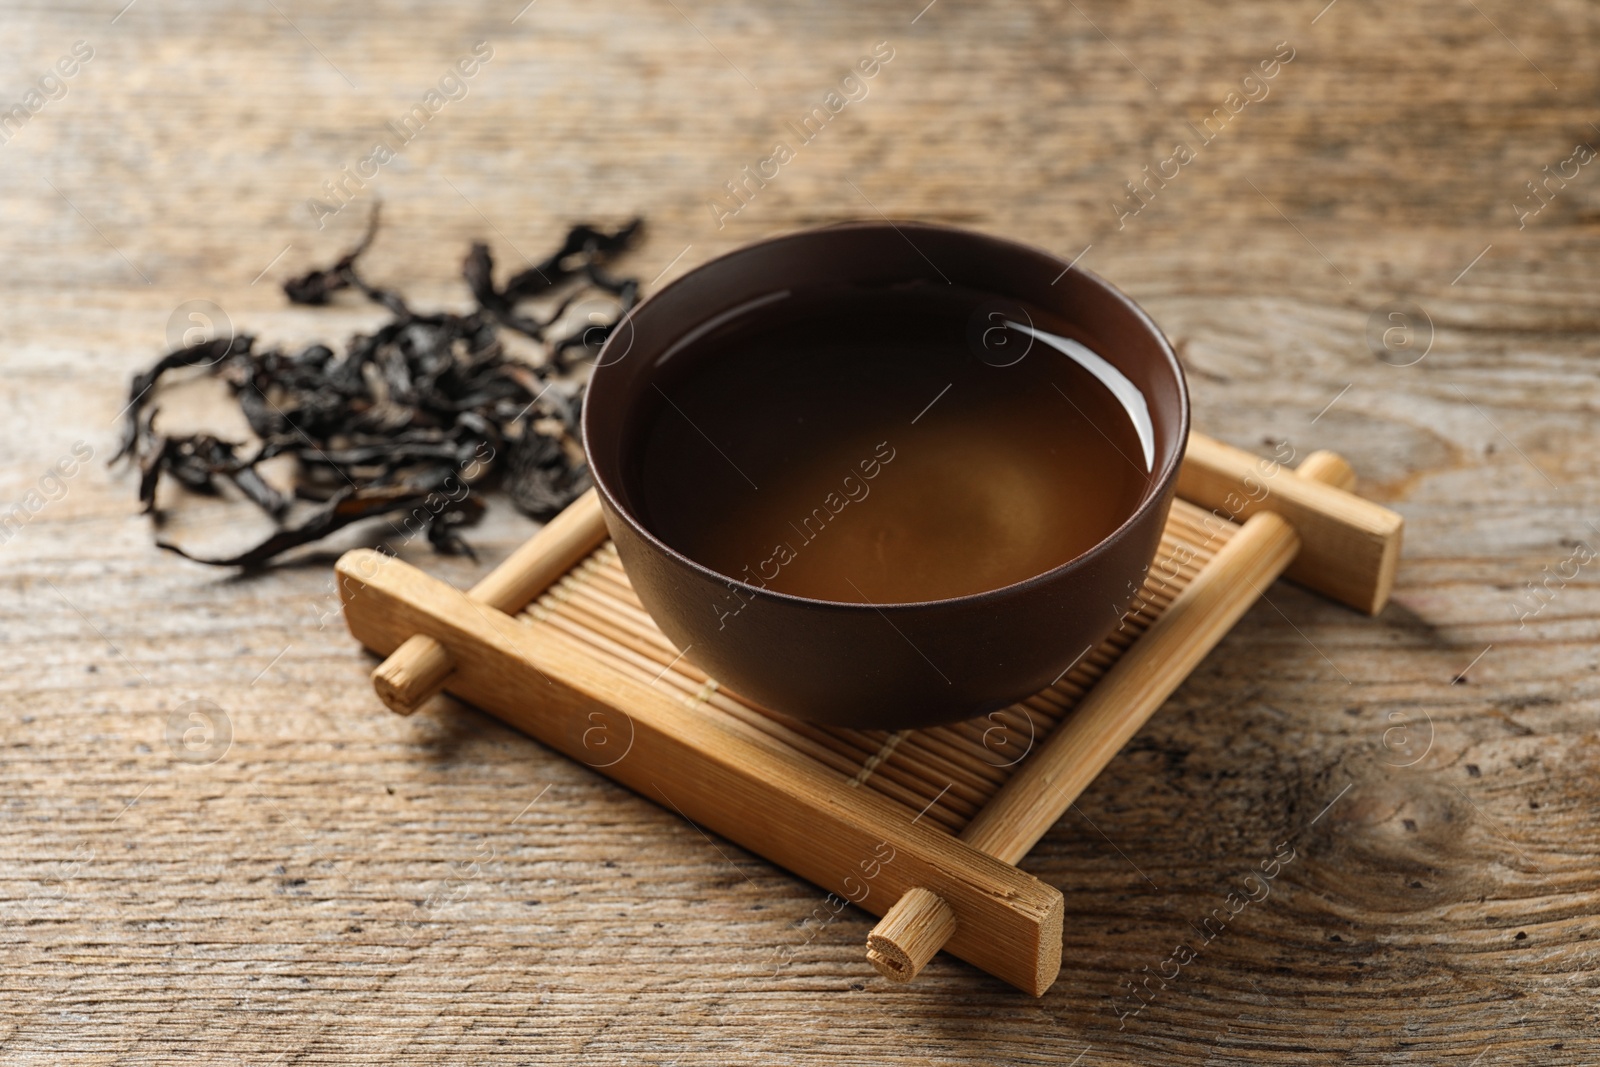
pixel 944 774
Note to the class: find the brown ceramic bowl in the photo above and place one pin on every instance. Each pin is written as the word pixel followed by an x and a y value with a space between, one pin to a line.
pixel 867 665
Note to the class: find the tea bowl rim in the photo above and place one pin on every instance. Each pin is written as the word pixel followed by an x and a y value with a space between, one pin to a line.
pixel 1155 496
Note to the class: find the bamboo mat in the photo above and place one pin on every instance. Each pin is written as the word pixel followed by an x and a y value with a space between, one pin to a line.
pixel 944 774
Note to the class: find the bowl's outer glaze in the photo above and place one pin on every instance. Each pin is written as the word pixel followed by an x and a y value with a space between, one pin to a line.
pixel 888 666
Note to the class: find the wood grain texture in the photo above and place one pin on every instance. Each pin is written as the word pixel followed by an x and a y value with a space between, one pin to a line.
pixel 340 887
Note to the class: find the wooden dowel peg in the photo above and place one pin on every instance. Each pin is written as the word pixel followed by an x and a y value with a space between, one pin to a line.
pixel 1077 751
pixel 415 672
pixel 909 935
pixel 1350 547
pixel 419 668
pixel 1330 468
pixel 544 557
pixel 1048 781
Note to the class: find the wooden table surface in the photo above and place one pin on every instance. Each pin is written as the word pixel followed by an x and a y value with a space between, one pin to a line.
pixel 336 885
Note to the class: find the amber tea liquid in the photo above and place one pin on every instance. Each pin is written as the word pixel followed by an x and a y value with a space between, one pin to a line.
pixel 868 447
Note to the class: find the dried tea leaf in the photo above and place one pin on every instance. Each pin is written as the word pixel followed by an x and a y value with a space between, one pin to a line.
pixel 421 410
pixel 347 507
pixel 317 286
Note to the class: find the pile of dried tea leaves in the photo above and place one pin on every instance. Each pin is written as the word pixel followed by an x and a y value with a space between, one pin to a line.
pixel 406 421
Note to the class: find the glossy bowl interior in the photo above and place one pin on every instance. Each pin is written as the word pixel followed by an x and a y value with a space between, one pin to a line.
pixel 882 665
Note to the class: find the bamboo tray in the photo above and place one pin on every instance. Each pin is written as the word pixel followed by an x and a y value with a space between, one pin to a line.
pixel 921 827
